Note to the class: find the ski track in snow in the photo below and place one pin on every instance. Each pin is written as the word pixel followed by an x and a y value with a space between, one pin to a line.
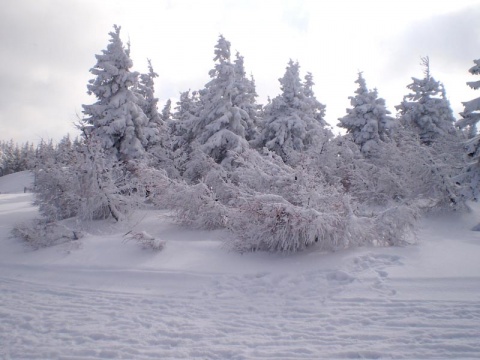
pixel 250 316
pixel 100 298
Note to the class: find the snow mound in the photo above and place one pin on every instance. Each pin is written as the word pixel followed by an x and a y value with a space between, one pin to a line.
pixel 16 183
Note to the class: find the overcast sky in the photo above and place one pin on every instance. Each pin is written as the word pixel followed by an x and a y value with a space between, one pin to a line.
pixel 48 47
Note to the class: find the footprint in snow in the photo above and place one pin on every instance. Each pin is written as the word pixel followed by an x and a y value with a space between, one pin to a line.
pixel 377 262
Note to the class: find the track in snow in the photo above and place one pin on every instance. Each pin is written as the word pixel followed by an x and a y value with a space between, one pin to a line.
pixel 250 316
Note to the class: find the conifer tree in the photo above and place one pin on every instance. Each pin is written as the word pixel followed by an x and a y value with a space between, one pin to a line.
pixel 471 113
pixel 117 118
pixel 221 126
pixel 293 121
pixel 368 120
pixel 149 104
pixel 167 112
pixel 426 109
pixel 245 97
pixel 470 117
pixel 314 106
pixel 185 115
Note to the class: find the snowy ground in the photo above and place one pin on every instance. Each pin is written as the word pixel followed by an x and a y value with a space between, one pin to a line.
pixel 103 298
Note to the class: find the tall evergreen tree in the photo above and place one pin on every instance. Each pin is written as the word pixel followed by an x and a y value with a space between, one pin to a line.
pixel 368 120
pixel 316 109
pixel 245 97
pixel 293 121
pixel 117 118
pixel 149 105
pixel 167 112
pixel 471 113
pixel 426 109
pixel 184 117
pixel 221 126
pixel 470 117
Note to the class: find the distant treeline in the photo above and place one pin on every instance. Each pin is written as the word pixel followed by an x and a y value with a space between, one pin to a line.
pixel 15 157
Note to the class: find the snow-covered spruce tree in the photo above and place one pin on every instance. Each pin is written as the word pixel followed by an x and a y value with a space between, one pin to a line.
pixel 157 132
pixel 167 112
pixel 245 97
pixel 182 138
pixel 149 105
pixel 221 126
pixel 184 117
pixel 292 121
pixel 368 120
pixel 426 109
pixel 116 119
pixel 470 176
pixel 471 113
pixel 315 109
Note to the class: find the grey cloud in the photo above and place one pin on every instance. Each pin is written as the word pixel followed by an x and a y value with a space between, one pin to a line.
pixel 45 45
pixel 450 41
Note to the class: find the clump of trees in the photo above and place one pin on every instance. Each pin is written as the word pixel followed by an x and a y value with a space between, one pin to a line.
pixel 274 176
pixel 15 157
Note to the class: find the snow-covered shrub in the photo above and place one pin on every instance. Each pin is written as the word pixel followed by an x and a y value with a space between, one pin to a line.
pixel 428 172
pixel 53 193
pixel 146 241
pixel 270 223
pixel 41 233
pixel 395 226
pixel 196 206
pixel 341 163
pixel 90 185
pixel 270 206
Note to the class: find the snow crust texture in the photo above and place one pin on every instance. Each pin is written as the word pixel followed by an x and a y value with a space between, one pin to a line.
pixel 258 316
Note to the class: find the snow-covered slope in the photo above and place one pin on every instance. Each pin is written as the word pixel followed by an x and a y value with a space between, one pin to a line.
pixel 105 297
pixel 16 183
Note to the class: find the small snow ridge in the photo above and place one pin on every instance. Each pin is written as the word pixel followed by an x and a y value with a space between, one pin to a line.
pixel 340 277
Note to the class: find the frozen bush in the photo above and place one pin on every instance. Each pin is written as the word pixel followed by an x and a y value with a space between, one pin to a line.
pixel 270 223
pixel 146 241
pixel 395 226
pixel 40 233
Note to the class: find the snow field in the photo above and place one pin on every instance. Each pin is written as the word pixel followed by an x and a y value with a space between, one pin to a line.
pixel 250 316
pixel 102 297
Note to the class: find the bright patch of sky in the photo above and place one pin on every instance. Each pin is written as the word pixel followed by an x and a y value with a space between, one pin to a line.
pixel 50 45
